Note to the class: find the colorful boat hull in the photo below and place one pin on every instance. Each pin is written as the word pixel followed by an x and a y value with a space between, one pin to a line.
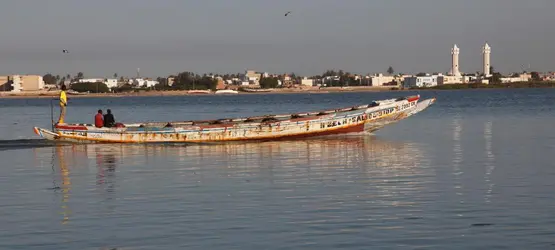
pixel 363 118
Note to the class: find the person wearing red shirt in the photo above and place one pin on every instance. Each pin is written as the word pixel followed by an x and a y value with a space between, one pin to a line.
pixel 99 119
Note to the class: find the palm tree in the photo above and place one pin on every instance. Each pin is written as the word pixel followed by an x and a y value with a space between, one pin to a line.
pixel 116 75
pixel 390 70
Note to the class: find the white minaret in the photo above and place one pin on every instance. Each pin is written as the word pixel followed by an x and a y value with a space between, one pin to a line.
pixel 486 52
pixel 455 63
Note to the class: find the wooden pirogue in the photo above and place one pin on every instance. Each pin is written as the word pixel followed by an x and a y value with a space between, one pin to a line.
pixel 369 117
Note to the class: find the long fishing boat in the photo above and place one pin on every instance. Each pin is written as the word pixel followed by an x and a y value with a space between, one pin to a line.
pixel 368 117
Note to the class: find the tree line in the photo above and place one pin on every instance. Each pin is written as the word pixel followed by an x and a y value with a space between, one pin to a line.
pixel 189 80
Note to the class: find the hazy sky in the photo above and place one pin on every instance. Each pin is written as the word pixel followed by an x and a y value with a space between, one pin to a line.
pixel 364 36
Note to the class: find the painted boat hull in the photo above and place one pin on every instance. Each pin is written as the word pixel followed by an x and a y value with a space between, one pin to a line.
pixel 351 120
pixel 226 91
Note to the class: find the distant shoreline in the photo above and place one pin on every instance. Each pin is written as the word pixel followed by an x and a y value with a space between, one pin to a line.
pixel 354 89
pixel 54 94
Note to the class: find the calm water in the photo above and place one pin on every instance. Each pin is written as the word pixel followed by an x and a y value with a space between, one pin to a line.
pixel 474 171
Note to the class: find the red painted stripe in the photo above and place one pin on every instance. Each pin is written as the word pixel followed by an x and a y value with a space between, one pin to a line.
pixel 414 98
pixel 70 127
pixel 353 129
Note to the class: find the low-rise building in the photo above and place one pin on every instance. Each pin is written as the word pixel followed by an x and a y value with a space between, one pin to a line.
pixel 420 81
pixel 150 83
pixel 512 79
pixel 5 84
pixel 141 83
pixel 252 77
pixel 441 80
pixel 171 80
pixel 525 77
pixel 18 83
pixel 111 83
pixel 329 80
pixel 520 78
pixel 91 80
pixel 473 78
pixel 220 83
pixel 306 82
pixel 381 80
pixel 30 82
pixel 11 83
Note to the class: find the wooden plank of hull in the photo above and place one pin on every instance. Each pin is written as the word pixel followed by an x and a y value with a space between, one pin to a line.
pixel 200 136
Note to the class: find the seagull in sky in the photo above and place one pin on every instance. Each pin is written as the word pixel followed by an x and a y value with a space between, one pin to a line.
pixel 65 51
pixel 288 12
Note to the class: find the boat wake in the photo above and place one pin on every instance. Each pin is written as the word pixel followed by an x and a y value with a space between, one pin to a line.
pixel 25 143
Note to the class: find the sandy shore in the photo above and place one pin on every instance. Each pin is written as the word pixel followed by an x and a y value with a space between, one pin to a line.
pixel 51 94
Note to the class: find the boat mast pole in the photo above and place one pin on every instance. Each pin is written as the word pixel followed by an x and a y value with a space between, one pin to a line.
pixel 52 114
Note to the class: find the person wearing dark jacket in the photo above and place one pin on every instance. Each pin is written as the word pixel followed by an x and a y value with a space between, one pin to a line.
pixel 109 120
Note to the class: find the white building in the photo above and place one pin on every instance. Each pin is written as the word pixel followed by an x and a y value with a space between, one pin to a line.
pixel 150 83
pixel 252 77
pixel 16 85
pixel 420 81
pixel 140 82
pixel 472 78
pixel 306 82
pixel 111 83
pixel 380 79
pixel 12 83
pixel 328 80
pixel 520 78
pixel 441 79
pixel 91 80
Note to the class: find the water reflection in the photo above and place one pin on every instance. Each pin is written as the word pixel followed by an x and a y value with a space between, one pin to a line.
pixel 354 151
pixel 490 159
pixel 66 182
pixel 457 157
pixel 315 176
pixel 106 161
pixel 340 151
pixel 312 160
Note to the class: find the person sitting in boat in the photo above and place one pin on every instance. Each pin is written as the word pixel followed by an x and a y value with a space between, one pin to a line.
pixel 99 119
pixel 109 120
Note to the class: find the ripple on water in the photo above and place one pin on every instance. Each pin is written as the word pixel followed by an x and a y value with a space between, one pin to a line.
pixel 464 174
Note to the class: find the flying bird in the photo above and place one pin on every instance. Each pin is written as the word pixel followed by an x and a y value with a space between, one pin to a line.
pixel 288 12
pixel 65 51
